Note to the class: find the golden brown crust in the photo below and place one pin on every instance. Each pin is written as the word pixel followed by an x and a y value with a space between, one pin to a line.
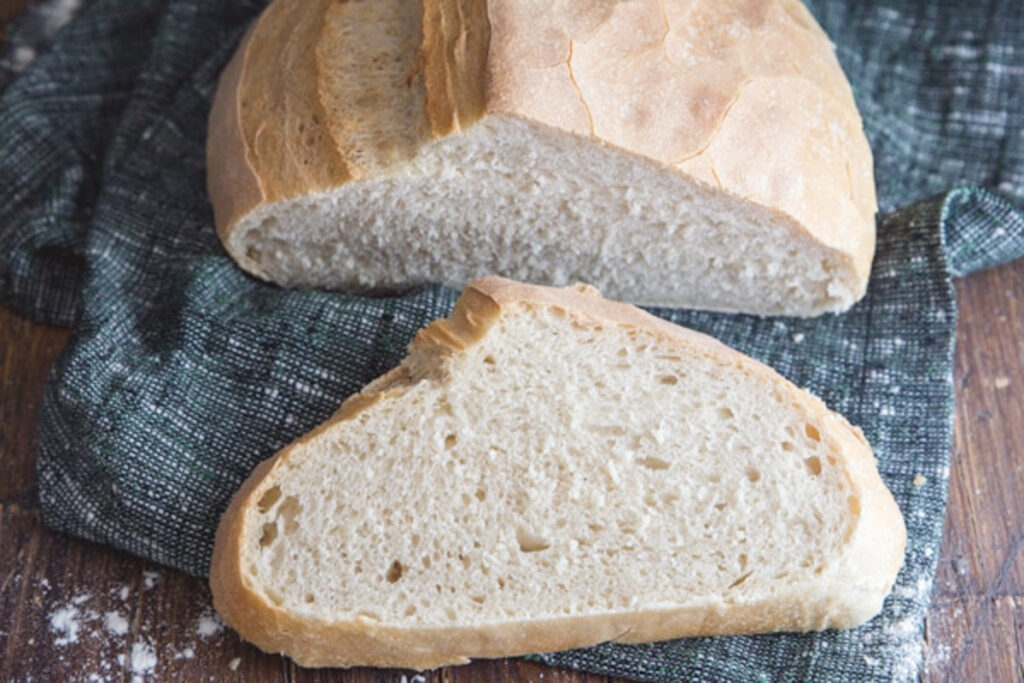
pixel 846 595
pixel 231 180
pixel 282 120
pixel 742 95
pixel 456 38
pixel 268 136
pixel 746 96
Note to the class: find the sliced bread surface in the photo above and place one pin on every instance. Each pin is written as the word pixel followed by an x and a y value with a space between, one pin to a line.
pixel 696 153
pixel 548 470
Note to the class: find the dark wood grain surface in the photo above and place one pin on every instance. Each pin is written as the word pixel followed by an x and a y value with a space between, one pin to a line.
pixel 72 610
pixel 10 9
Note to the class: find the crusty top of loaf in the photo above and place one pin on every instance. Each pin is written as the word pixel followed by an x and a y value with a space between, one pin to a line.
pixel 745 95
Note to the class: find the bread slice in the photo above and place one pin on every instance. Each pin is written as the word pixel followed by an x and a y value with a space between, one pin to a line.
pixel 696 153
pixel 548 470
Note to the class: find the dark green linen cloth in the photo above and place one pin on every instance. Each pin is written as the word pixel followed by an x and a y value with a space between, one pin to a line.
pixel 183 372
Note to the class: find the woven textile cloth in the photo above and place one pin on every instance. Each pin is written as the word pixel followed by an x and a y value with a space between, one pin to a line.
pixel 183 372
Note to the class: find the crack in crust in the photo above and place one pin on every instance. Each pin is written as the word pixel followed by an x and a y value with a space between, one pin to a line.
pixel 583 100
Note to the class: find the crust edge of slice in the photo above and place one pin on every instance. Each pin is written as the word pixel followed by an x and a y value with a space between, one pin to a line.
pixel 849 595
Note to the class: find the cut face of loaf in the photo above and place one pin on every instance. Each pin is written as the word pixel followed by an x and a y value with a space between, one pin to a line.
pixel 698 153
pixel 550 470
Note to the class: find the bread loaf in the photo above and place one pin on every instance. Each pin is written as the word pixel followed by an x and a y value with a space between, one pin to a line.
pixel 695 153
pixel 548 470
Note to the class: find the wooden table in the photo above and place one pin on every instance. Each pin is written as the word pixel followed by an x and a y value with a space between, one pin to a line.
pixel 74 610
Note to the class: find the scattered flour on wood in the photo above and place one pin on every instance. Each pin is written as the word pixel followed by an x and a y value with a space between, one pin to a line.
pixel 938 655
pixel 103 623
pixel 115 623
pixel 143 658
pixel 68 620
pixel 209 624
pixel 65 622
